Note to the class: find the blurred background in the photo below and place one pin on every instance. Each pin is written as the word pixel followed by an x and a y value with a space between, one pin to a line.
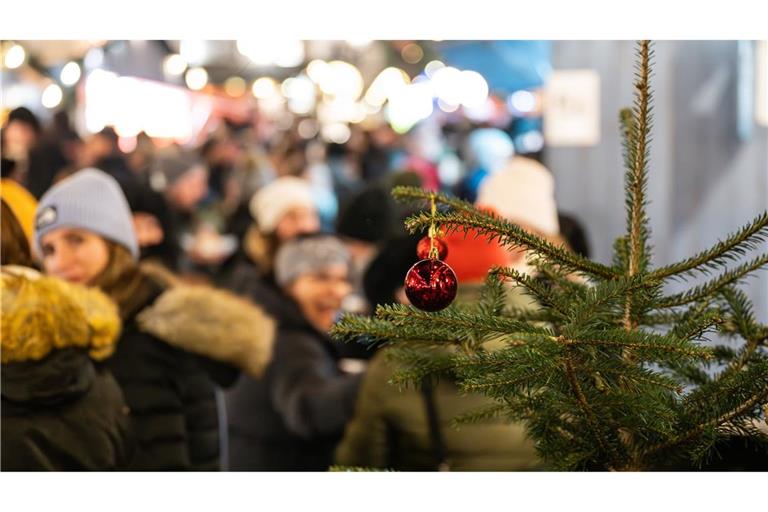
pixel 348 113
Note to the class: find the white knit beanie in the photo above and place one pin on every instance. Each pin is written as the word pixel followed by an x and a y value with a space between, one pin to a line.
pixel 272 201
pixel 523 192
pixel 90 199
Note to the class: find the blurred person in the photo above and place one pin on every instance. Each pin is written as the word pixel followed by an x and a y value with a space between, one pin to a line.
pixel 344 165
pixel 20 135
pixel 384 278
pixel 486 151
pixel 177 341
pixel 22 204
pixel 153 223
pixel 523 192
pixel 140 158
pixel 292 418
pixel 195 223
pixel 320 179
pixel 282 210
pixel 38 154
pixel 365 222
pixel 60 409
pixel 101 151
pixel 409 429
pixel 378 152
pixel 423 148
pixel 220 155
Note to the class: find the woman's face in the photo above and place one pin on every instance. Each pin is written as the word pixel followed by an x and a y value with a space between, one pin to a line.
pixel 319 294
pixel 73 254
pixel 297 221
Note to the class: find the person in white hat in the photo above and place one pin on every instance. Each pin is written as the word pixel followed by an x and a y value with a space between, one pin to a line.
pixel 523 192
pixel 282 210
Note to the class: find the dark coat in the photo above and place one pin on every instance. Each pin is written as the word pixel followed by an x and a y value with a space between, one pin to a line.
pixel 59 412
pixel 63 414
pixel 292 418
pixel 175 348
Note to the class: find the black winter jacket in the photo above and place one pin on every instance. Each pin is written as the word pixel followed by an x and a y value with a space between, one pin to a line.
pixel 63 414
pixel 172 353
pixel 293 417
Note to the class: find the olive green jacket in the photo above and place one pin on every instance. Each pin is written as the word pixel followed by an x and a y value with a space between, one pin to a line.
pixel 390 426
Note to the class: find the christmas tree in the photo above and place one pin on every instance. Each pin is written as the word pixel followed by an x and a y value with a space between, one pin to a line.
pixel 610 372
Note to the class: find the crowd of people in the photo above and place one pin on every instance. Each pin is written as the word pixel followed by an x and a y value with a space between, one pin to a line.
pixel 169 308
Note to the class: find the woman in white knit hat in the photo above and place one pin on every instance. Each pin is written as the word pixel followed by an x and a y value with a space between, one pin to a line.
pixel 523 192
pixel 176 340
pixel 282 210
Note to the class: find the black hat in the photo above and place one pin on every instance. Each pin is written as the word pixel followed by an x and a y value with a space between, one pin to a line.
pixel 368 216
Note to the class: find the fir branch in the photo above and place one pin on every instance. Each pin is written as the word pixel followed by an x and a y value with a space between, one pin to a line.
pixel 637 174
pixel 694 326
pixel 486 413
pixel 401 315
pixel 745 239
pixel 742 318
pixel 705 290
pixel 754 400
pixel 493 297
pixel 351 326
pixel 465 217
pixel 581 399
pixel 415 365
pixel 598 297
pixel 649 346
pixel 540 292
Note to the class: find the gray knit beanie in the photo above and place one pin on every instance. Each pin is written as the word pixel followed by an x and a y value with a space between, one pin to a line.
pixel 90 199
pixel 306 255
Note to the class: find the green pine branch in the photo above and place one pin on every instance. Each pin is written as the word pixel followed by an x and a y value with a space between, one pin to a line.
pixel 464 217
pixel 637 129
pixel 708 289
pixel 746 239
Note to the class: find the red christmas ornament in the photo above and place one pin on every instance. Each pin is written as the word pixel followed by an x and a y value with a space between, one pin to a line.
pixel 430 285
pixel 422 248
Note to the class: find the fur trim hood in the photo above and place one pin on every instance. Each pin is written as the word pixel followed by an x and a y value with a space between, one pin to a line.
pixel 41 314
pixel 210 322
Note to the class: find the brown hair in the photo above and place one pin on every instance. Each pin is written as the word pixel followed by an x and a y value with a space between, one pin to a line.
pixel 14 249
pixel 261 249
pixel 123 280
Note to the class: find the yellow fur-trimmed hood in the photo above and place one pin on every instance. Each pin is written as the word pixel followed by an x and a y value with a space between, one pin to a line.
pixel 212 323
pixel 41 314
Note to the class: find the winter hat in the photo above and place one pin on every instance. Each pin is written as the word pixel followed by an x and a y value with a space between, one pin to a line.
pixel 471 256
pixel 368 216
pixel 308 254
pixel 272 201
pixel 168 166
pixel 524 192
pixel 89 199
pixel 22 204
pixel 490 148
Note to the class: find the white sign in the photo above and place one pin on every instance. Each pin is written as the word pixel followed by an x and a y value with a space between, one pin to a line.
pixel 572 108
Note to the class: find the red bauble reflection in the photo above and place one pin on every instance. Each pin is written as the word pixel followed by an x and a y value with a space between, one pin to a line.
pixel 430 285
pixel 422 249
